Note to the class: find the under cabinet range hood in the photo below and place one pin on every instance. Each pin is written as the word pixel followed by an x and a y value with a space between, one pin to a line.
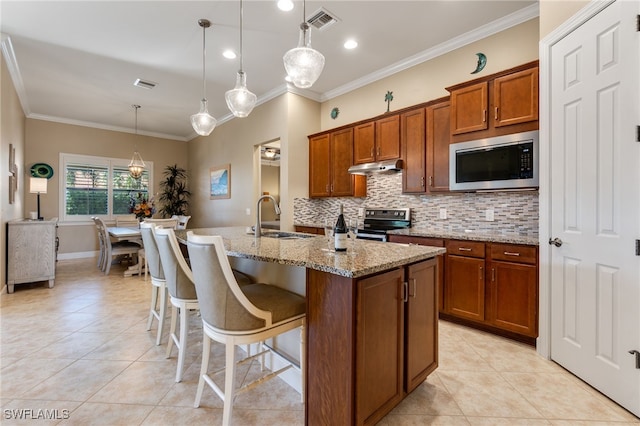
pixel 388 166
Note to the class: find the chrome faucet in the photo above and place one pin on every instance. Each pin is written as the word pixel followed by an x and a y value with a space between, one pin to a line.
pixel 257 231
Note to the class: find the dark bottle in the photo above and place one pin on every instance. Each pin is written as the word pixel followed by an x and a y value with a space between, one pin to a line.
pixel 340 233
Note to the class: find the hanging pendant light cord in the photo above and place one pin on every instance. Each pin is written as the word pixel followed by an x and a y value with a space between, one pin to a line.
pixel 241 55
pixel 204 26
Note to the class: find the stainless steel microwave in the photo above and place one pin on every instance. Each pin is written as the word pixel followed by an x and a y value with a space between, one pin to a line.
pixel 503 162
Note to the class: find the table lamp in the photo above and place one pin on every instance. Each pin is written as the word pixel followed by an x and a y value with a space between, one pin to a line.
pixel 38 186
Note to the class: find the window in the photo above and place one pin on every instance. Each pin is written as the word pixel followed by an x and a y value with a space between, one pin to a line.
pixel 99 186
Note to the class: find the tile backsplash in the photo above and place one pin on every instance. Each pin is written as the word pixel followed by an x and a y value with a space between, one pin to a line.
pixel 514 212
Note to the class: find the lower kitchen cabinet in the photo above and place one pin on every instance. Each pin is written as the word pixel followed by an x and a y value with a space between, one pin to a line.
pixel 493 286
pixel 380 324
pixel 383 341
pixel 513 296
pixel 421 334
pixel 464 279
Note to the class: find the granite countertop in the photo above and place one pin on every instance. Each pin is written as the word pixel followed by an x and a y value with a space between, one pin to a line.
pixel 470 235
pixel 312 252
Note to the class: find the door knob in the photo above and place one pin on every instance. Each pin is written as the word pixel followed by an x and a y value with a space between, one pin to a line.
pixel 556 242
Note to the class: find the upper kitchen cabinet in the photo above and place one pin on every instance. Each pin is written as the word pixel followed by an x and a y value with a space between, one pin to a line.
pixel 377 140
pixel 330 156
pixel 499 104
pixel 424 136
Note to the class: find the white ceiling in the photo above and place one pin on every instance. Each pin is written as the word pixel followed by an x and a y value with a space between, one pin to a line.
pixel 76 61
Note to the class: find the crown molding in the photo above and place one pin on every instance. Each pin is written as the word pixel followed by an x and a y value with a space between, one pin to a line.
pixel 484 31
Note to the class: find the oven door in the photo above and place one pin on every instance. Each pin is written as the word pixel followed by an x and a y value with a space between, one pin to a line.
pixel 371 235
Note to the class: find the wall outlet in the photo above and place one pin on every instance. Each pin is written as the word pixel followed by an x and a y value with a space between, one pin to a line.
pixel 360 211
pixel 248 211
pixel 489 215
pixel 443 213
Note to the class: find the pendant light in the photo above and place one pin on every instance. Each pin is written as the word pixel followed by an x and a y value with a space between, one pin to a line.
pixel 239 99
pixel 303 64
pixel 136 166
pixel 203 123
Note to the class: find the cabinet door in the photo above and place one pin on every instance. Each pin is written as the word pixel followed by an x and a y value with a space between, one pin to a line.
pixel 516 98
pixel 464 287
pixel 469 108
pixel 364 139
pixel 388 138
pixel 341 159
pixel 514 297
pixel 379 345
pixel 319 166
pixel 421 329
pixel 412 135
pixel 438 140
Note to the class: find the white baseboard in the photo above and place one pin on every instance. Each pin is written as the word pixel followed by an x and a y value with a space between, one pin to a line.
pixel 78 255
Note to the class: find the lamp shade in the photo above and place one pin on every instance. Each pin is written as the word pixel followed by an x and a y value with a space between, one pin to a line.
pixel 203 123
pixel 38 185
pixel 303 64
pixel 239 99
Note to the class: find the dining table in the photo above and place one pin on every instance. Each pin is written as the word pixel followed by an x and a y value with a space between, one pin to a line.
pixel 122 233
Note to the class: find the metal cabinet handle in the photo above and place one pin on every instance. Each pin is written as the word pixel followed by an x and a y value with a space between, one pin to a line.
pixel 422 181
pixel 405 291
pixel 556 242
pixel 414 288
pixel 430 180
pixel 484 116
pixel 481 273
pixel 464 249
pixel 496 114
pixel 509 253
pixel 493 274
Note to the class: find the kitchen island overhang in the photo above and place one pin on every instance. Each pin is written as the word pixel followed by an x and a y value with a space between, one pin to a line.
pixel 371 335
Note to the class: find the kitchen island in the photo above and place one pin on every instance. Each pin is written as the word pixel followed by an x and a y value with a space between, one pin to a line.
pixel 371 319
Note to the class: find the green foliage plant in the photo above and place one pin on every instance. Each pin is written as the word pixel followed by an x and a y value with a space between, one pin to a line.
pixel 174 195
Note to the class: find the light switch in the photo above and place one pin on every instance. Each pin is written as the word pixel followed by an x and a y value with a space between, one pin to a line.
pixel 248 211
pixel 443 213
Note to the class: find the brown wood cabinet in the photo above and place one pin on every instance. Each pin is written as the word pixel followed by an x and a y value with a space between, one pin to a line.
pixel 499 104
pixel 513 283
pixel 421 335
pixel 424 137
pixel 490 285
pixel 426 241
pixel 414 151
pixel 464 279
pixel 330 156
pixel 380 324
pixel 391 317
pixel 438 140
pixel 377 140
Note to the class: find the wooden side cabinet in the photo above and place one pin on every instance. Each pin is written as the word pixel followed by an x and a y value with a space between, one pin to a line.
pixel 464 279
pixel 513 288
pixel 377 140
pixel 31 252
pixel 413 138
pixel 438 140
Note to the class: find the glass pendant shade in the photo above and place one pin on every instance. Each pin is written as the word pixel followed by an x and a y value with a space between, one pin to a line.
pixel 203 123
pixel 136 166
pixel 303 64
pixel 239 99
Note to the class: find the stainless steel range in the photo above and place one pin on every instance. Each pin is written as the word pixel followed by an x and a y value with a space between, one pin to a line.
pixel 378 221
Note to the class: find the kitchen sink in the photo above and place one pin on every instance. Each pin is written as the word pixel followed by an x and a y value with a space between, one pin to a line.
pixel 285 235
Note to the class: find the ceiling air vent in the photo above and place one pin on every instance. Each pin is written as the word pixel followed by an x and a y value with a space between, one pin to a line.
pixel 145 84
pixel 321 19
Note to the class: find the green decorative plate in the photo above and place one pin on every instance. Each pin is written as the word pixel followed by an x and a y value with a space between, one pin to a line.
pixel 42 170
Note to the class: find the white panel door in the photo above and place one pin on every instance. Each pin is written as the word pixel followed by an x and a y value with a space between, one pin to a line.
pixel 595 202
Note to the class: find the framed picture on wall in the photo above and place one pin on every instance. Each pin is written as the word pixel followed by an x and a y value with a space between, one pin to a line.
pixel 220 181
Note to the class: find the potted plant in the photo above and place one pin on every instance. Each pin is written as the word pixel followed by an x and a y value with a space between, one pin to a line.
pixel 174 195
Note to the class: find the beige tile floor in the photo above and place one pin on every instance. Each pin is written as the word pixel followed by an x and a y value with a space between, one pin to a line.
pixel 81 351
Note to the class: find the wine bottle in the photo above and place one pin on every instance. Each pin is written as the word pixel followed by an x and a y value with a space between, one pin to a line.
pixel 340 232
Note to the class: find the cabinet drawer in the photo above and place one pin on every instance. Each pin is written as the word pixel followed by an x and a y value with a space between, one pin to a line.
pixel 514 253
pixel 422 241
pixel 465 248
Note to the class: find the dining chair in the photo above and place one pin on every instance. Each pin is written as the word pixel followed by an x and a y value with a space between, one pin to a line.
pixel 158 282
pixel 182 221
pixel 165 223
pixel 114 249
pixel 239 315
pixel 127 221
pixel 102 253
pixel 182 291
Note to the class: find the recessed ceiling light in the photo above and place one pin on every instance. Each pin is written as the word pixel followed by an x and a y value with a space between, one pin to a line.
pixel 350 44
pixel 229 54
pixel 285 5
